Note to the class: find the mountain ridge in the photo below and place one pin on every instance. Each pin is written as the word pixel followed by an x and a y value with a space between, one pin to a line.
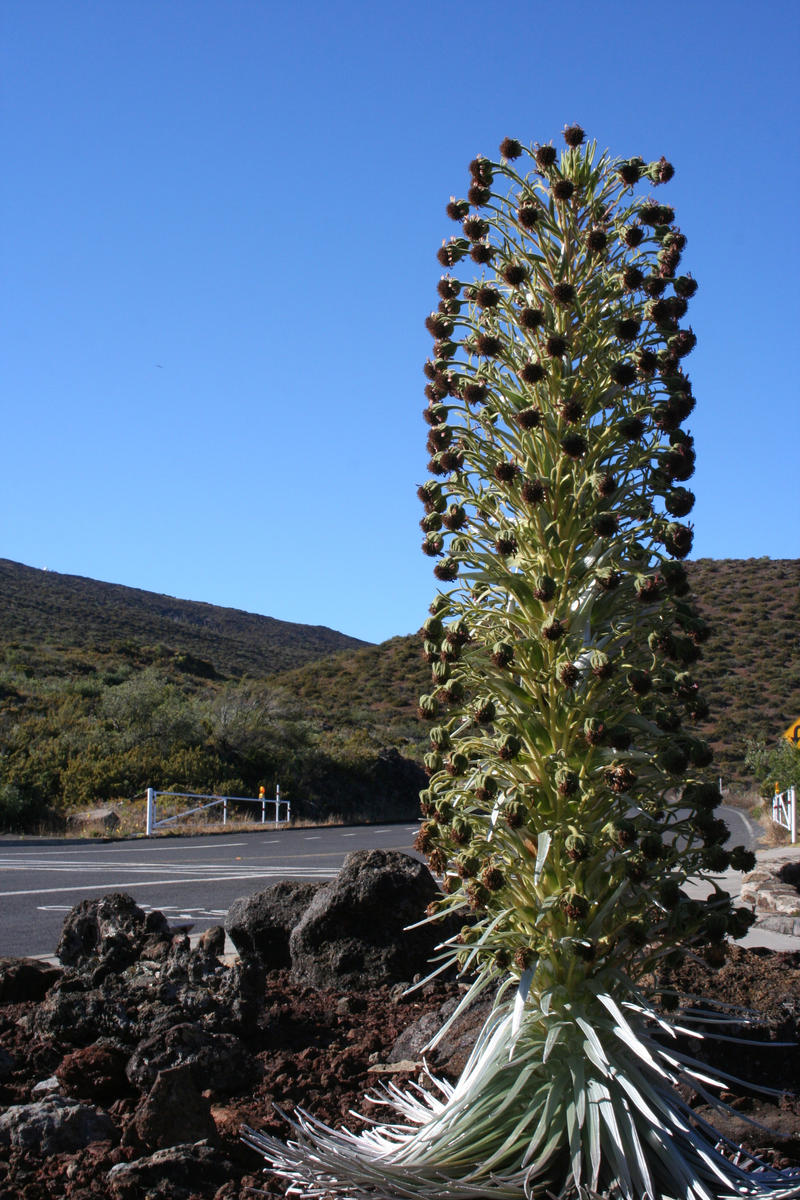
pixel 36 601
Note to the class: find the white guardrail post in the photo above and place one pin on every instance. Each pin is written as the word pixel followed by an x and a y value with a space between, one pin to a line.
pixel 150 812
pixel 151 794
pixel 784 811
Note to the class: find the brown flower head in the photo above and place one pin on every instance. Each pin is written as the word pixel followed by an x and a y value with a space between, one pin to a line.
pixel 475 228
pixel 474 391
pixel 457 209
pixel 571 410
pixel 654 285
pixel 509 746
pixel 438 325
pixel 575 905
pixel 632 278
pixel 506 472
pixel 626 328
pixel 574 445
pixel 682 343
pixel 448 288
pixel 608 579
pixel 568 674
pixel 487 296
pixel 479 195
pixel 563 189
pixel 502 655
pixel 630 172
pixel 573 135
pixel 640 682
pixel 446 569
pixel 543 588
pixel 488 345
pixel 656 214
pixel 492 878
pixel 685 285
pixel 449 253
pixel 531 318
pixel 529 214
pixel 510 148
pixel 482 252
pixel 545 157
pixel 435 413
pixel 619 777
pixel 632 428
pixel 605 524
pixel 524 957
pixel 481 170
pixel 632 236
pixel 454 518
pixel 596 240
pixel 534 491
pixel 646 362
pixel 605 484
pixel 514 274
pixel 556 345
pixel 623 373
pixel 506 544
pixel 665 170
pixel 553 629
pixel 532 372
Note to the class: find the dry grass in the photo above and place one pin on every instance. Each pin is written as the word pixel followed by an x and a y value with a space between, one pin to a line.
pixel 206 823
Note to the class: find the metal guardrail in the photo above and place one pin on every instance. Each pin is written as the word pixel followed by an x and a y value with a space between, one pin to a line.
pixel 152 823
pixel 784 811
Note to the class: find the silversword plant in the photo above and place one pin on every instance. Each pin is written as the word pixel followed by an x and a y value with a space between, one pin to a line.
pixel 567 806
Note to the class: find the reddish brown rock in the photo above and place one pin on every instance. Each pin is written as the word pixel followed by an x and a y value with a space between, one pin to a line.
pixel 95 1072
pixel 174 1111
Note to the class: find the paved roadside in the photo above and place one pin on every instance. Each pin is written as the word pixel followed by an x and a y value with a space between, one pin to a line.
pixel 731 881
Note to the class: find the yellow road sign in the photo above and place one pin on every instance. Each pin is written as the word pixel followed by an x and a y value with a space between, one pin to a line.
pixel 793 733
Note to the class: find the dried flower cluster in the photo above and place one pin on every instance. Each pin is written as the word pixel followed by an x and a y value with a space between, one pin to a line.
pixel 563 759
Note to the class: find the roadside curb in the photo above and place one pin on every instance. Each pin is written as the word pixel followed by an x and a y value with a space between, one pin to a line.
pixel 771 890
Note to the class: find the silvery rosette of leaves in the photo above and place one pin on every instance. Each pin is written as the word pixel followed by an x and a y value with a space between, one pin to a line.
pixel 567 806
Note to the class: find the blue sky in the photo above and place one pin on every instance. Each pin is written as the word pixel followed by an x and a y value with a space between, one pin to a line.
pixel 220 222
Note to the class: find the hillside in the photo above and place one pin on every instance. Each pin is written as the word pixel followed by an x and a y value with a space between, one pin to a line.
pixel 749 673
pixel 750 670
pixel 106 690
pixel 70 612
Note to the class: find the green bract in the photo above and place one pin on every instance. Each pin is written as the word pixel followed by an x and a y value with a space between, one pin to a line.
pixel 565 811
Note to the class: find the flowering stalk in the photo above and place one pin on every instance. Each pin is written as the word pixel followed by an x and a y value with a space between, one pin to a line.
pixel 567 805
pixel 565 798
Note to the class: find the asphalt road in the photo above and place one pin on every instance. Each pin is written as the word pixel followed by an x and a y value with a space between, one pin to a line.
pixel 193 881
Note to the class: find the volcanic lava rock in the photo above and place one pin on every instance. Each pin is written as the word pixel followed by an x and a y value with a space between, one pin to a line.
pixel 24 979
pixel 174 1111
pixel 54 1126
pixel 219 1061
pixel 112 928
pixel 260 925
pixel 95 1072
pixel 353 934
pixel 172 1174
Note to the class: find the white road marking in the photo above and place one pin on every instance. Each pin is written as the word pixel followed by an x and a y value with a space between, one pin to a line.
pixel 273 873
pixel 132 866
pixel 155 846
pixel 194 914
